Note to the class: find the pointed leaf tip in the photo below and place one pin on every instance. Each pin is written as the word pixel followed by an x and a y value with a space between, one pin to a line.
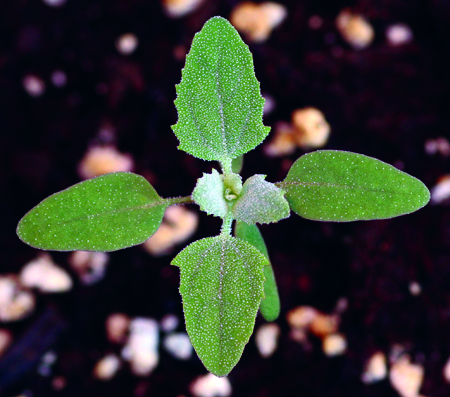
pixel 106 213
pixel 339 186
pixel 219 103
pixel 221 282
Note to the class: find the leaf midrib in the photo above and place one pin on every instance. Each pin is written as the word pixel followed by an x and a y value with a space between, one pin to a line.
pixel 326 184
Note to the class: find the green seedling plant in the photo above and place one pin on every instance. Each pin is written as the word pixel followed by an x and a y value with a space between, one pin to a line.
pixel 224 279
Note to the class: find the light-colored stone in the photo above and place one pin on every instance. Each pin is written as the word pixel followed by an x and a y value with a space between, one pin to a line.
pixel 399 34
pixel 376 368
pixel 446 371
pixel 100 160
pixel 44 275
pixel 141 349
pixel 210 385
pixel 127 43
pixel 169 323
pixel 179 224
pixel 179 8
pixel 324 324
pixel 33 85
pixel 266 339
pixel 310 128
pixel 179 345
pixel 355 29
pixel 117 325
pixel 406 378
pixel 301 317
pixel 107 367
pixel 90 266
pixel 441 191
pixel 15 302
pixel 283 142
pixel 334 345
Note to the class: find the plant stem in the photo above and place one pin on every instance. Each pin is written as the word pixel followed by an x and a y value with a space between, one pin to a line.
pixel 226 225
pixel 226 166
pixel 180 200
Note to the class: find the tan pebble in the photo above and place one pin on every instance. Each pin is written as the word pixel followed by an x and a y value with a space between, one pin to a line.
pixel 90 266
pixel 179 224
pixel 299 335
pixel 43 274
pixel 256 21
pixel 117 325
pixel 334 345
pixel 376 368
pixel 107 367
pixel 323 325
pixel 100 160
pixel 266 339
pixel 5 340
pixel 406 377
pixel 310 128
pixel 301 317
pixel 15 302
pixel 441 191
pixel 283 143
pixel 210 385
pixel 179 8
pixel 414 288
pixel 33 85
pixel 355 29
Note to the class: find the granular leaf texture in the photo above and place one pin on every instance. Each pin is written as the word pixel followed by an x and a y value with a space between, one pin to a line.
pixel 270 305
pixel 209 194
pixel 331 185
pixel 106 213
pixel 218 100
pixel 221 282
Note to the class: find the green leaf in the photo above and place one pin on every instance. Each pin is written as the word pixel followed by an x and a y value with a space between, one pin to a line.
pixel 237 164
pixel 221 282
pixel 270 305
pixel 209 194
pixel 218 100
pixel 330 185
pixel 106 213
pixel 260 202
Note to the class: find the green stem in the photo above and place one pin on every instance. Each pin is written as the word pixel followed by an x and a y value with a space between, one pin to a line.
pixel 179 200
pixel 279 184
pixel 226 225
pixel 226 166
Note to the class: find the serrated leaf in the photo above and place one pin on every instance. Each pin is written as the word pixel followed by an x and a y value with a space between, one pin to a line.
pixel 106 213
pixel 221 282
pixel 218 100
pixel 209 194
pixel 330 185
pixel 270 305
pixel 260 202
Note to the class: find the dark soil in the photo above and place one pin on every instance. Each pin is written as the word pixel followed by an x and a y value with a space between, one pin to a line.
pixel 383 101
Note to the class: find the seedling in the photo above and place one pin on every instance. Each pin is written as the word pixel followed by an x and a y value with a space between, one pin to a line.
pixel 224 279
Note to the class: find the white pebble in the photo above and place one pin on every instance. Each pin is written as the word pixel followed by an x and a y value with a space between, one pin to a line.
pixel 54 3
pixel 399 34
pixel 266 339
pixel 441 191
pixel 44 275
pixel 334 345
pixel 117 325
pixel 178 345
pixel 179 8
pixel 376 369
pixel 15 303
pixel 127 43
pixel 141 348
pixel 169 323
pixel 446 371
pixel 211 386
pixel 406 377
pixel 415 288
pixel 34 85
pixel 90 266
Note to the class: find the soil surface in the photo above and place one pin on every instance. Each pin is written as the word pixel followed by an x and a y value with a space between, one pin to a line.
pixel 383 101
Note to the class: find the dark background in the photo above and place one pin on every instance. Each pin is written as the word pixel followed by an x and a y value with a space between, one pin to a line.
pixel 382 101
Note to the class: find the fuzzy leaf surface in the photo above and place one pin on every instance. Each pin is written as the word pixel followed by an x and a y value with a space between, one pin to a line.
pixel 209 194
pixel 260 202
pixel 218 100
pixel 270 305
pixel 106 213
pixel 339 186
pixel 221 282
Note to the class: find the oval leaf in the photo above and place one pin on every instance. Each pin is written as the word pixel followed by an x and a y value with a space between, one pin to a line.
pixel 218 100
pixel 221 282
pixel 260 202
pixel 330 185
pixel 106 213
pixel 209 194
pixel 270 305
